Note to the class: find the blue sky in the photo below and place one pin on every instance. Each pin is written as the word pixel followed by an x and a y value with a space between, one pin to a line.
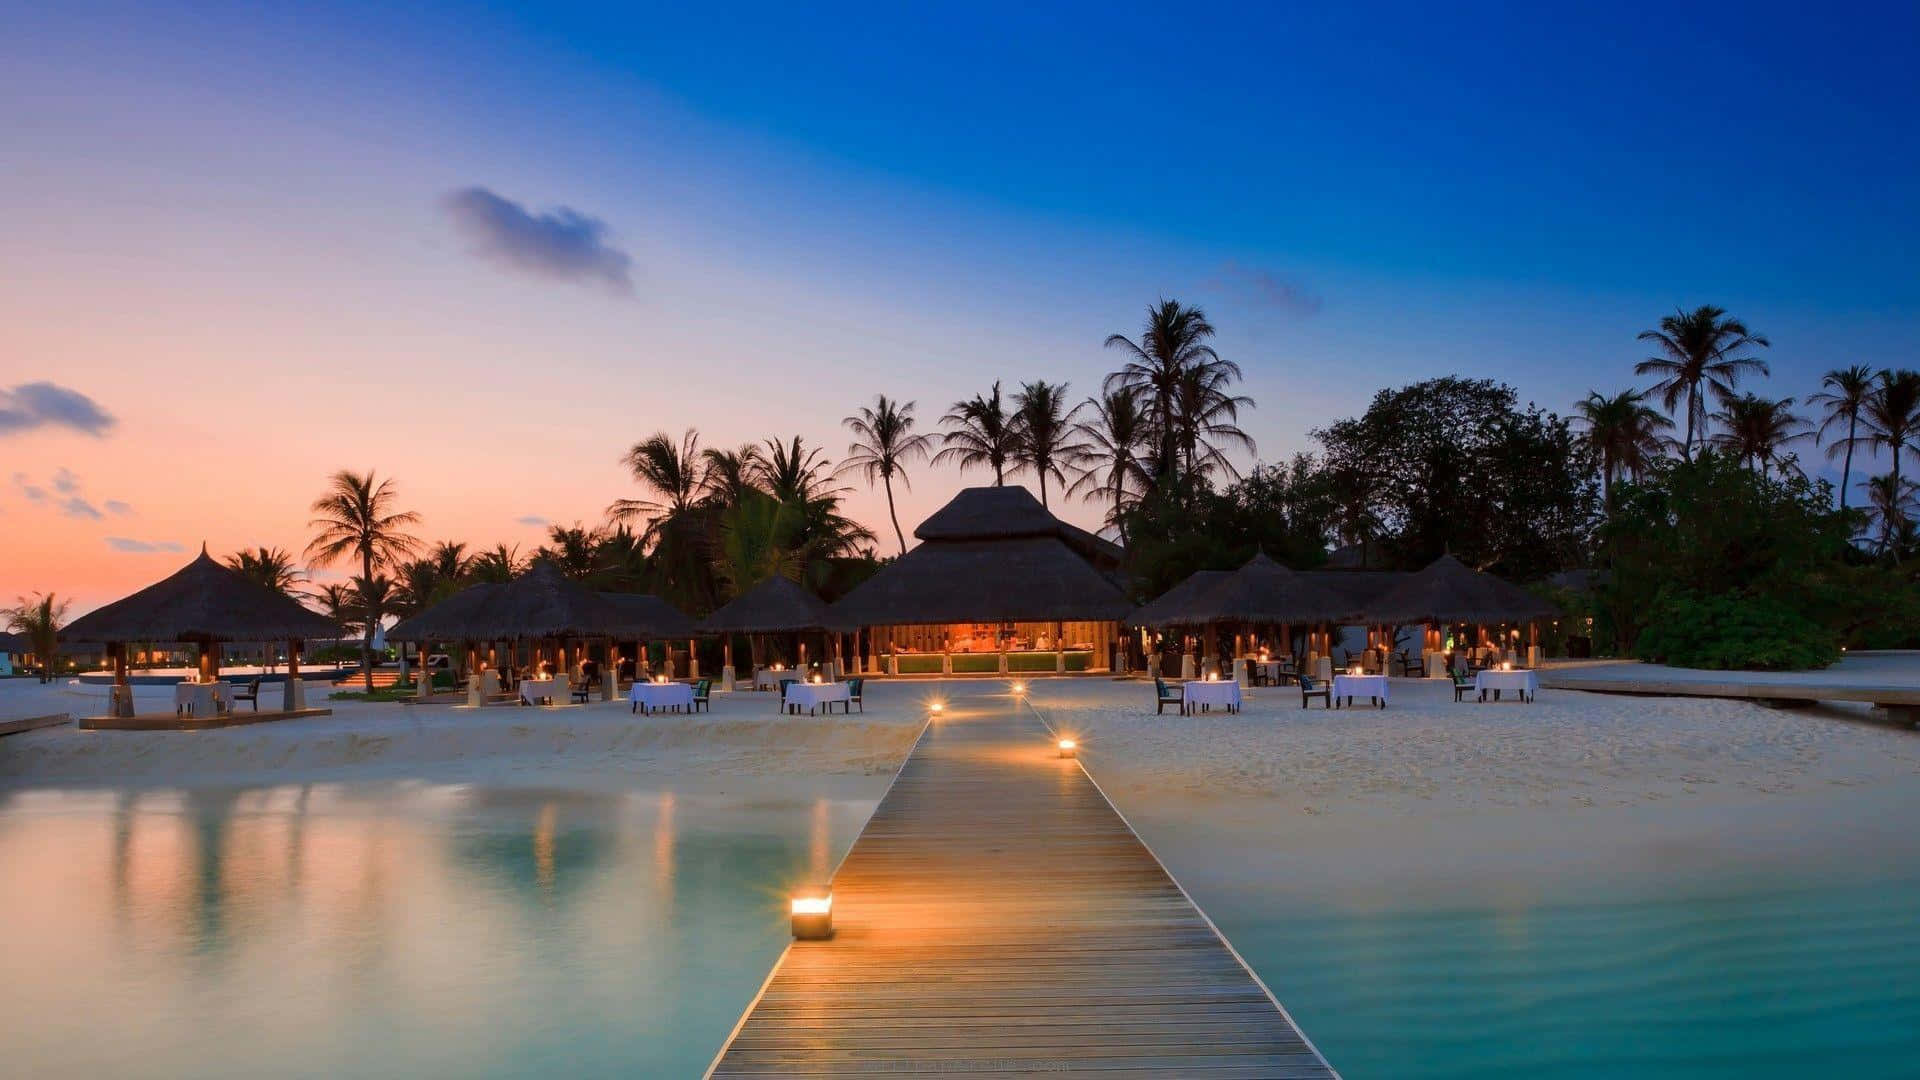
pixel 778 211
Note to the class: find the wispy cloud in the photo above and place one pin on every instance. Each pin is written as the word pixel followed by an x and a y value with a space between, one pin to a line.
pixel 65 482
pixel 143 547
pixel 43 404
pixel 118 508
pixel 77 507
pixel 34 493
pixel 532 519
pixel 1269 290
pixel 563 243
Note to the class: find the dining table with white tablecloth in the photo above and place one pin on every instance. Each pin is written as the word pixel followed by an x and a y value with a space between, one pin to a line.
pixel 1525 682
pixel 767 678
pixel 1348 687
pixel 812 695
pixel 1206 693
pixel 202 699
pixel 648 696
pixel 537 691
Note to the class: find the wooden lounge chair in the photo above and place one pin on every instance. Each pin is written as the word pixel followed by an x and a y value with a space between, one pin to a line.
pixel 702 695
pixel 854 689
pixel 1311 687
pixel 1164 695
pixel 251 693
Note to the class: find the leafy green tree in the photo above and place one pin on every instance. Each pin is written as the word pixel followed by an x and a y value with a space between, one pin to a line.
pixel 1843 395
pixel 884 443
pixel 980 431
pixel 1701 352
pixel 356 519
pixel 40 620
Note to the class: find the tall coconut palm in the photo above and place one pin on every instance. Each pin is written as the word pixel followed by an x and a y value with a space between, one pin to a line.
pixel 573 550
pixel 1625 433
pixel 268 566
pixel 40 620
pixel 1893 504
pixel 795 472
pixel 673 472
pixel 1173 343
pixel 1207 411
pixel 980 432
pixel 1701 353
pixel 1049 438
pixel 356 519
pixel 1843 395
pixel 1757 430
pixel 884 442
pixel 730 473
pixel 496 567
pixel 1111 440
pixel 1892 417
pixel 340 603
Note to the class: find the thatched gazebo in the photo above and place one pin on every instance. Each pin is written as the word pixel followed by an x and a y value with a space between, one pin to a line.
pixel 994 568
pixel 556 618
pixel 1260 593
pixel 778 605
pixel 1449 593
pixel 205 604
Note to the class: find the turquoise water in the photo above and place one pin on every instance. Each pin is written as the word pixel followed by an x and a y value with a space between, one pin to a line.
pixel 1775 982
pixel 418 931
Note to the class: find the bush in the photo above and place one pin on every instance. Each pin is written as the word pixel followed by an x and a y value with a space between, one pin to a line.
pixel 1734 632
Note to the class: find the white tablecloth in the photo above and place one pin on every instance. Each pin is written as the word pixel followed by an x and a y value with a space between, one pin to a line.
pixel 1360 686
pixel 533 691
pixel 651 696
pixel 769 679
pixel 811 696
pixel 1526 682
pixel 203 699
pixel 1224 692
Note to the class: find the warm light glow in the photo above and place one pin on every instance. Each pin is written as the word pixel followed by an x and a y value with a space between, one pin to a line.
pixel 661 679
pixel 1067 747
pixel 936 707
pixel 813 905
pixel 1019 688
pixel 816 679
pixel 1506 665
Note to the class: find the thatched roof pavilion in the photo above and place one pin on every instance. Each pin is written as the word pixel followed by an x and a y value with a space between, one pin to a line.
pixel 1448 591
pixel 204 603
pixel 646 617
pixel 778 605
pixel 993 554
pixel 542 604
pixel 1260 591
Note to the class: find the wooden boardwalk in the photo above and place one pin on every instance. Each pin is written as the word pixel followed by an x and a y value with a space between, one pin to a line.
pixel 998 917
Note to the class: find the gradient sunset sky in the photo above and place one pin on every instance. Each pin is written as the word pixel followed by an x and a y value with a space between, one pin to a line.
pixel 485 250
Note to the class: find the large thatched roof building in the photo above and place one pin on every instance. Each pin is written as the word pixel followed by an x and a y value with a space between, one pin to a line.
pixel 1448 591
pixel 204 603
pixel 1260 592
pixel 778 605
pixel 996 572
pixel 543 605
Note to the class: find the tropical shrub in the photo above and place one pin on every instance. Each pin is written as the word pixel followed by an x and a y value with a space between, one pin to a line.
pixel 1735 632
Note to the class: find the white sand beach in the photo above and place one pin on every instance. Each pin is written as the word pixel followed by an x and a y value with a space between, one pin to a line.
pixel 1578 791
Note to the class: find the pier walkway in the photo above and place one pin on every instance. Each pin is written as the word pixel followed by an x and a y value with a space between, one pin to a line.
pixel 998 917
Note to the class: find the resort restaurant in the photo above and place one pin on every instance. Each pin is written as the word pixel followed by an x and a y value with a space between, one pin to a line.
pixel 996 584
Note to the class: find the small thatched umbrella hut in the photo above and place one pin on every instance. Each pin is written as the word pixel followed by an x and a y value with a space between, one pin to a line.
pixel 645 617
pixel 1448 592
pixel 994 568
pixel 1260 593
pixel 205 604
pixel 778 605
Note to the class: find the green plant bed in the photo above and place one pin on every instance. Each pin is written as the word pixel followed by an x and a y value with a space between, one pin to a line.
pixel 975 663
pixel 918 664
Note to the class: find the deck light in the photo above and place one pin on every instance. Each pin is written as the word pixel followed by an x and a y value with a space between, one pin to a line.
pixel 936 707
pixel 1067 747
pixel 813 913
pixel 1019 688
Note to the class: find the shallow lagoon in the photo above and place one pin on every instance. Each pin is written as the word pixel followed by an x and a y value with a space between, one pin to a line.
pixel 393 929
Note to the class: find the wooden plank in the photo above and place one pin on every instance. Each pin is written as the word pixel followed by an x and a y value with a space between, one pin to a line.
pixel 33 723
pixel 189 722
pixel 997 916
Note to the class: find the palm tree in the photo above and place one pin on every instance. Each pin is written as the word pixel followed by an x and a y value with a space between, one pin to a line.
pixel 1048 435
pixel 573 550
pixel 1843 393
pixel 1172 344
pixel 340 603
pixel 39 619
pixel 980 432
pixel 730 473
pixel 496 567
pixel 1699 348
pixel 884 442
pixel 1757 429
pixel 268 566
pixel 1207 411
pixel 1893 504
pixel 1892 416
pixel 450 561
pixel 1626 434
pixel 1110 461
pixel 356 518
pixel 794 471
pixel 673 472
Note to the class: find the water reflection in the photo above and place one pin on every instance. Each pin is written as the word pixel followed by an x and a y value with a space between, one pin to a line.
pixel 424 930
